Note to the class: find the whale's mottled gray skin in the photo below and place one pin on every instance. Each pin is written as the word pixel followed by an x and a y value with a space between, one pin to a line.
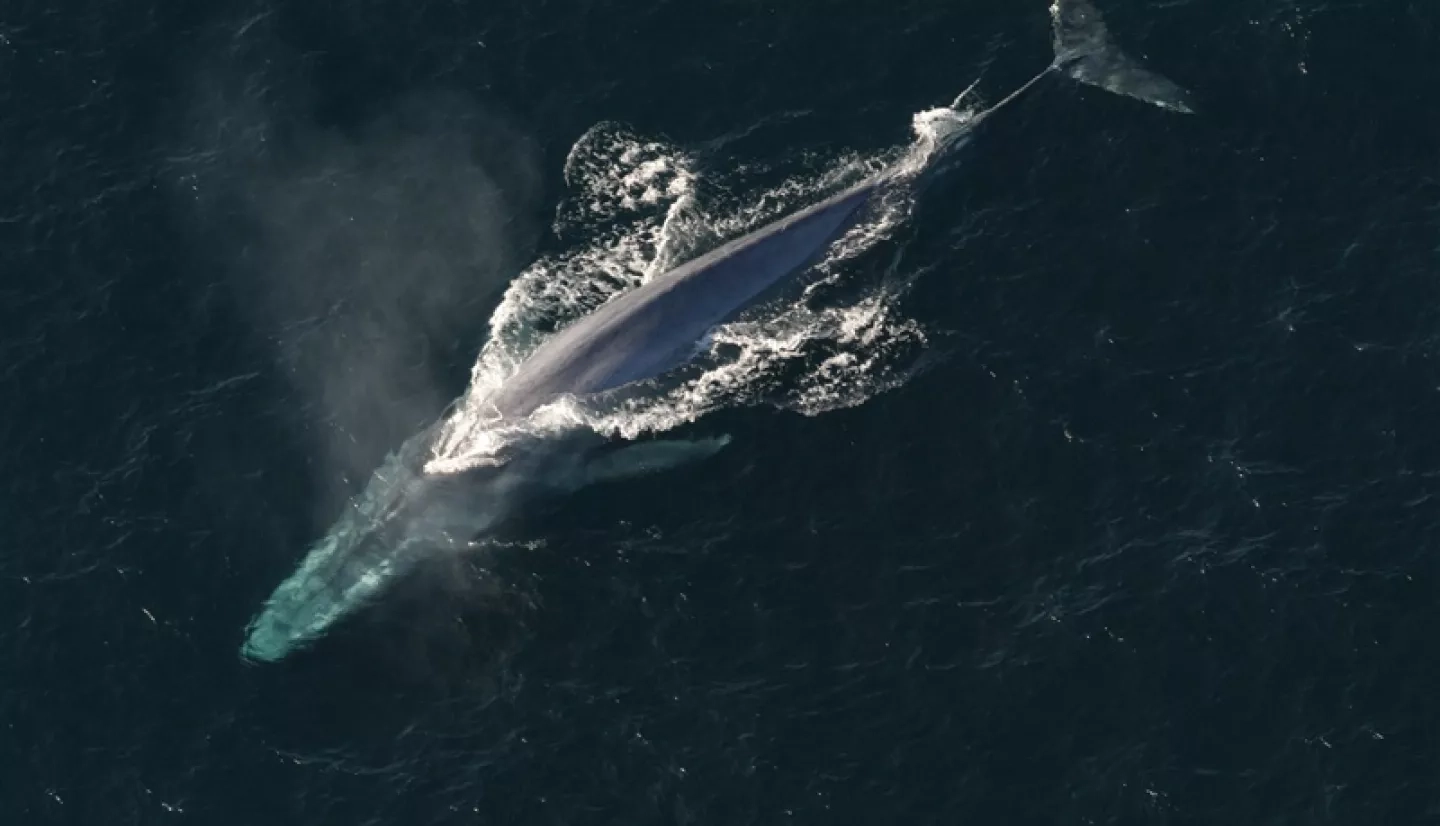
pixel 655 327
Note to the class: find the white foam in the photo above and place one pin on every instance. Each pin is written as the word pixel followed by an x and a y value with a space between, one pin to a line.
pixel 633 207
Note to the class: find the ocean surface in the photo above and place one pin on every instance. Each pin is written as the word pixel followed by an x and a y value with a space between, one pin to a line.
pixel 1096 486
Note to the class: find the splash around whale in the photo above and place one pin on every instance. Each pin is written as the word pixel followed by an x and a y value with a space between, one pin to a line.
pixel 412 509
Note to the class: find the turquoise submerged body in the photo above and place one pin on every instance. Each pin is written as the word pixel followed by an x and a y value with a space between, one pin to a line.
pixel 406 515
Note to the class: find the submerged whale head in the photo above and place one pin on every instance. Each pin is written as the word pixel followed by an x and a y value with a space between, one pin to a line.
pixel 397 521
pixel 403 516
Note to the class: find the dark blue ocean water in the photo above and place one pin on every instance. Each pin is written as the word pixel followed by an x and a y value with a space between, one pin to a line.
pixel 1152 540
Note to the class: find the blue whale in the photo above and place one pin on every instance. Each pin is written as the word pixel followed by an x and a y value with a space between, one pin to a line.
pixel 406 515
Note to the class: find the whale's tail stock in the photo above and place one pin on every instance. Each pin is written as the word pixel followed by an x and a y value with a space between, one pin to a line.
pixel 1084 51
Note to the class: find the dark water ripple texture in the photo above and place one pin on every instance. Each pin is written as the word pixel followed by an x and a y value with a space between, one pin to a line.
pixel 1154 542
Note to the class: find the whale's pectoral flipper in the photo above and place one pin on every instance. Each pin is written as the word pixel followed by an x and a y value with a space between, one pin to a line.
pixel 1084 51
pixel 651 457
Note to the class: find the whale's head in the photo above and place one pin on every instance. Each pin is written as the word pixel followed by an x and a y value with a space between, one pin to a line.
pixel 403 517
pixel 399 519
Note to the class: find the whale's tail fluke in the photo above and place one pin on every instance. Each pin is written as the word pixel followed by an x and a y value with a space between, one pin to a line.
pixel 1083 50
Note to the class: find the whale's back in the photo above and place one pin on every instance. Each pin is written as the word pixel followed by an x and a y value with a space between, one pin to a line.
pixel 655 327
